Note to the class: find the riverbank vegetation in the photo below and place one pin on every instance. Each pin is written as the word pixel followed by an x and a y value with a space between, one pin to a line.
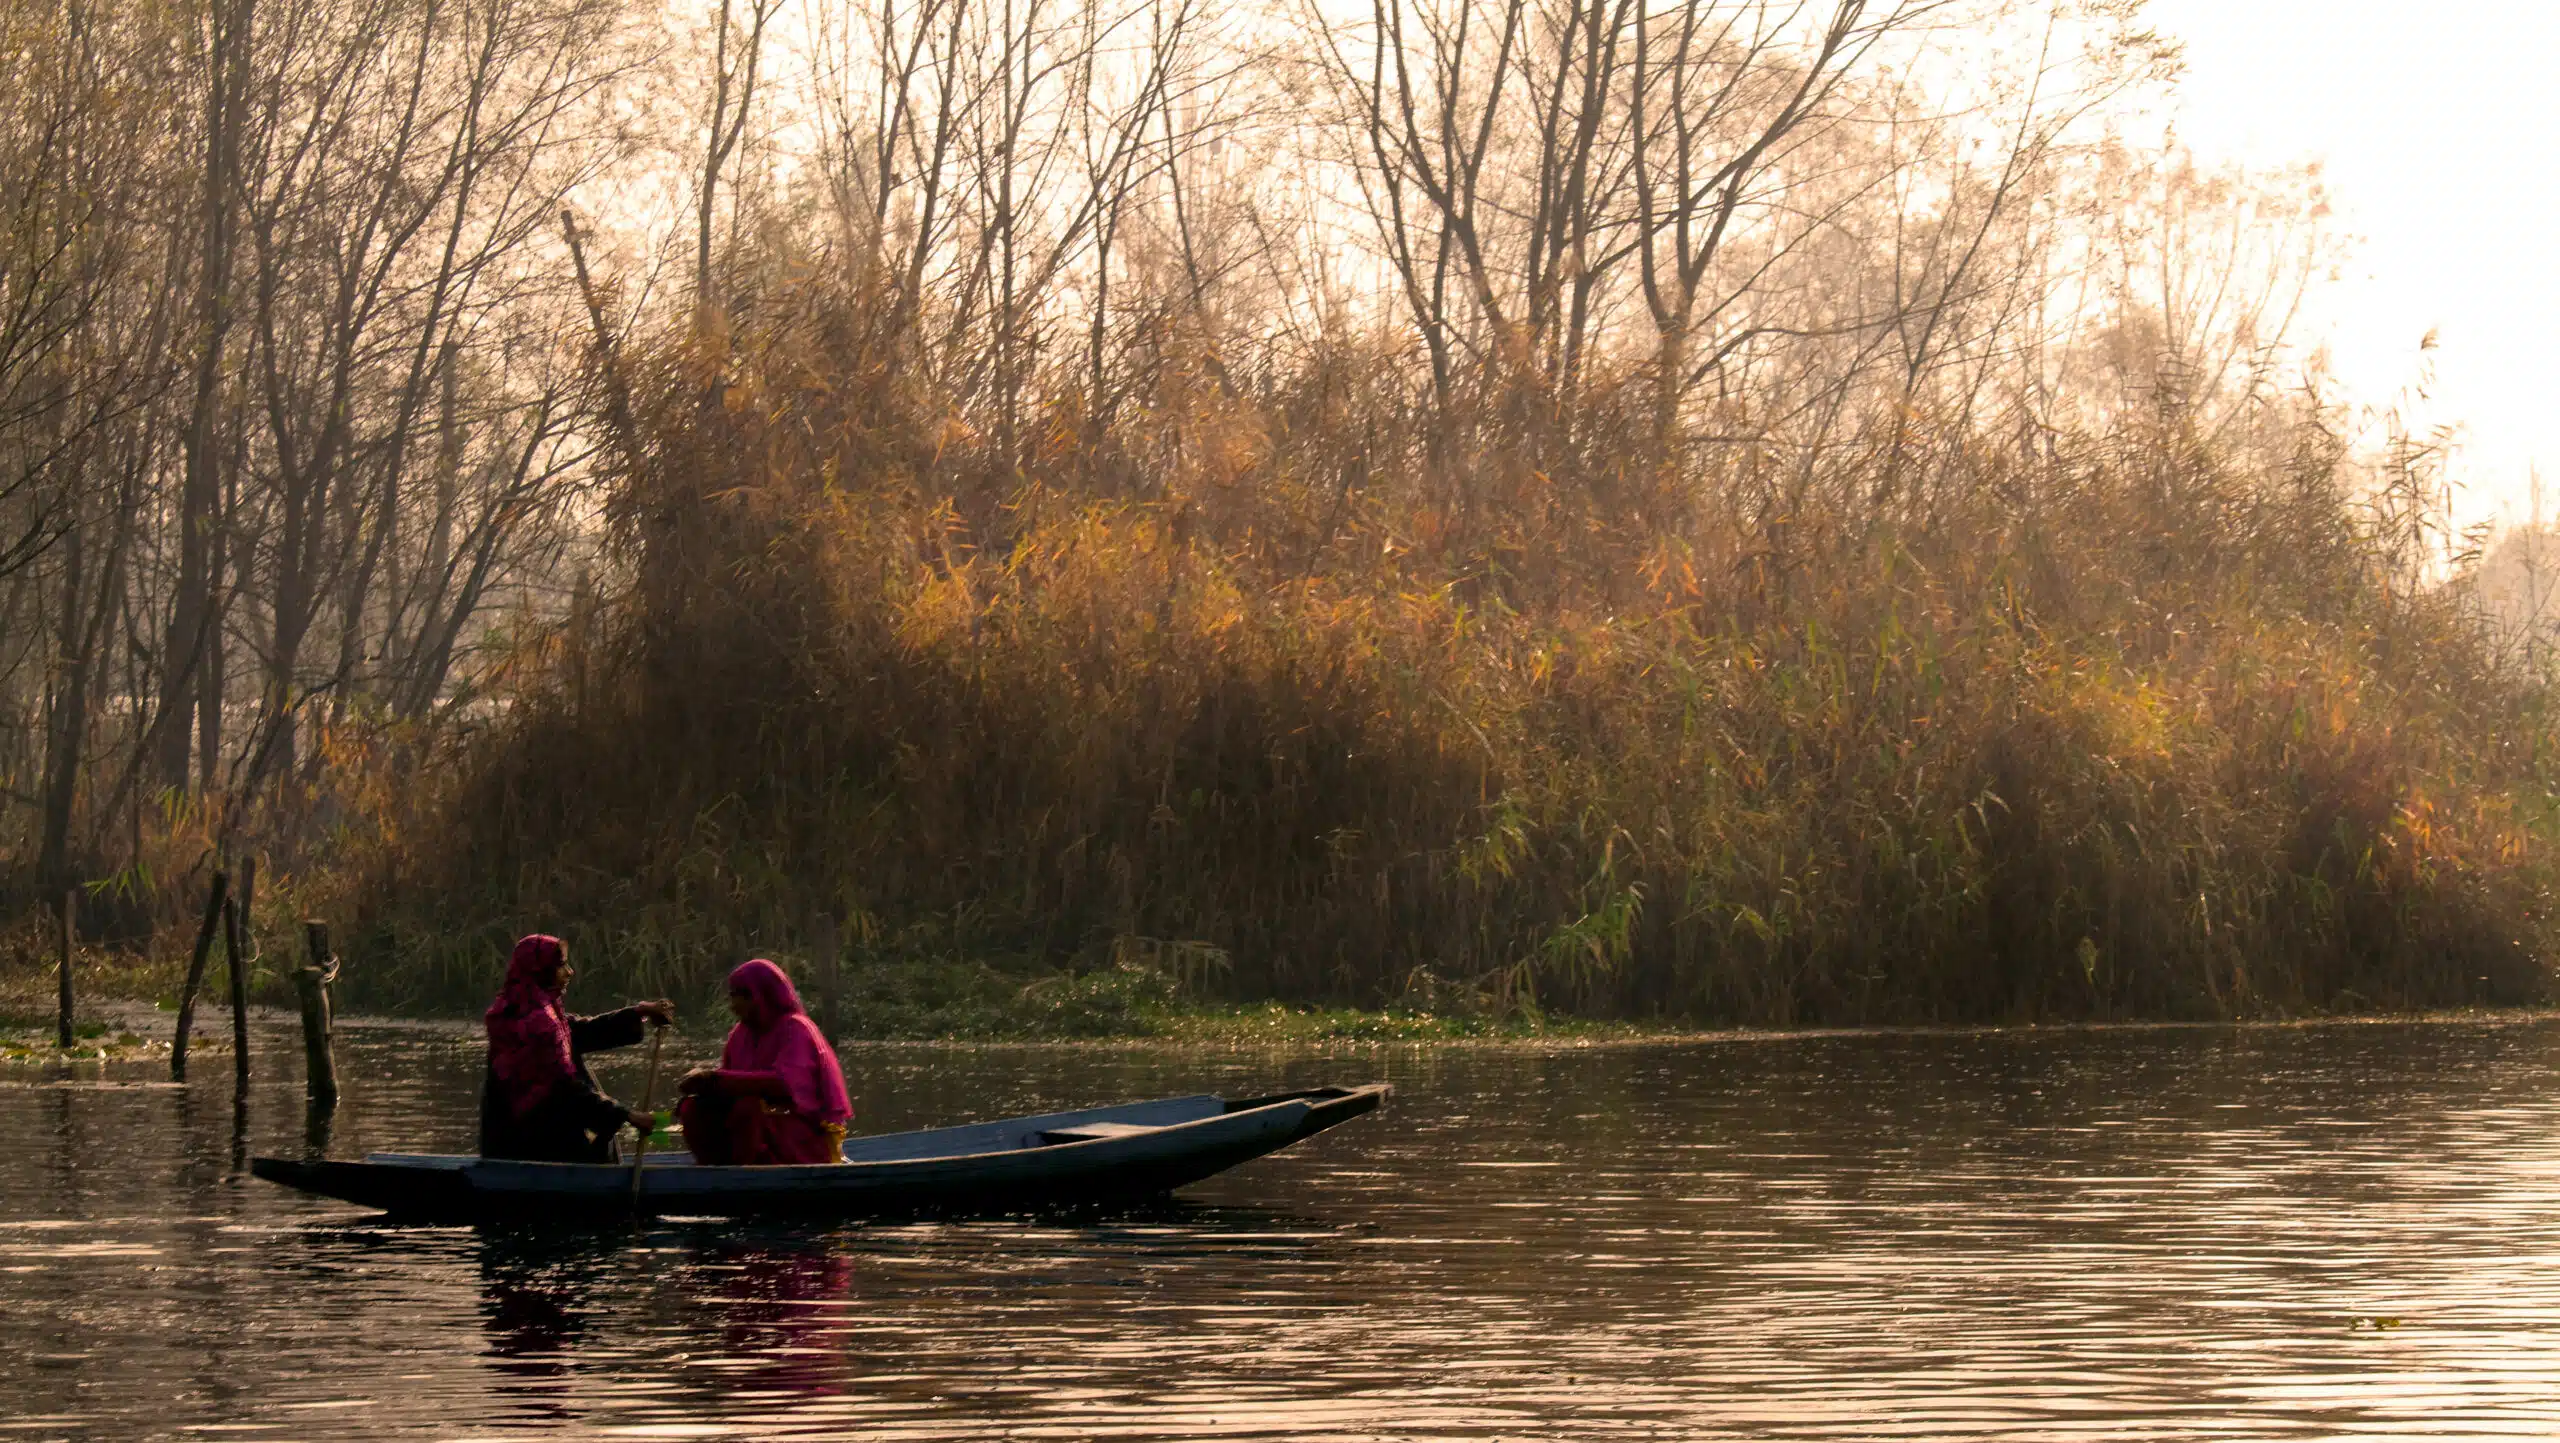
pixel 129 1014
pixel 1690 512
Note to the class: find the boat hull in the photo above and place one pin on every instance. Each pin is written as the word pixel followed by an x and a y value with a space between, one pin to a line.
pixel 1012 1165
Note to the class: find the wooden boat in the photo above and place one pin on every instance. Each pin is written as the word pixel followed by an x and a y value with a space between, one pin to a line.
pixel 1133 1150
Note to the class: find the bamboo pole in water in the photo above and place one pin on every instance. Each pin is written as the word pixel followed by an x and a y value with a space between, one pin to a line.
pixel 195 976
pixel 648 1104
pixel 70 930
pixel 236 936
pixel 319 1065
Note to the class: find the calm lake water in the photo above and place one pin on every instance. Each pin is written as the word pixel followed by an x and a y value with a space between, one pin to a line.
pixel 2270 1233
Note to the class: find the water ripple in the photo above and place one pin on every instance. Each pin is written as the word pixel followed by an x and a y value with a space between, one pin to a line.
pixel 2267 1234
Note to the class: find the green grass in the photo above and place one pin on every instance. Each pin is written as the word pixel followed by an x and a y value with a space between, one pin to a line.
pixel 974 1001
pixel 30 1037
pixel 1279 1022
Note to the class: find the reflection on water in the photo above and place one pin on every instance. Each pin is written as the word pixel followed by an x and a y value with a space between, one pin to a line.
pixel 2155 1233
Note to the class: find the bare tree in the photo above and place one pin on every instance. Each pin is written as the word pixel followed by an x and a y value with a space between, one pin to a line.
pixel 736 60
pixel 189 684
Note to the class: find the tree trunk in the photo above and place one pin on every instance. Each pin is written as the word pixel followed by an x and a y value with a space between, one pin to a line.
pixel 209 668
pixel 192 637
pixel 67 725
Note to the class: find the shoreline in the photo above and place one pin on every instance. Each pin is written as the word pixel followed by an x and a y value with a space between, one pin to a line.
pixel 120 1028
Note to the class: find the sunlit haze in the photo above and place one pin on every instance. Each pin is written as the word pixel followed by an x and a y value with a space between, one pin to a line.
pixel 2438 128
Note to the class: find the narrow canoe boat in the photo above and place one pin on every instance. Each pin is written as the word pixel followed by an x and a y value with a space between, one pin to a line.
pixel 1134 1150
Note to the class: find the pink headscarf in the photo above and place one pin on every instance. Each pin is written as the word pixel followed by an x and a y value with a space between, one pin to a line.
pixel 788 1045
pixel 528 1035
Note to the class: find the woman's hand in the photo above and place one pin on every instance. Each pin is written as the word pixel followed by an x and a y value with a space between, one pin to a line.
pixel 701 1079
pixel 661 1012
pixel 642 1121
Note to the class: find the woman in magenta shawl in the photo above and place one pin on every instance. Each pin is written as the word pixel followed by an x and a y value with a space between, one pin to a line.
pixel 777 1096
pixel 539 1104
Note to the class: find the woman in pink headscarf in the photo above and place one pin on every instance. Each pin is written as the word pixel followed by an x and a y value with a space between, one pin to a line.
pixel 777 1096
pixel 539 1104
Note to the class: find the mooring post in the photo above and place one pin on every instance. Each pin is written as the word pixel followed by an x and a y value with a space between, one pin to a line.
pixel 236 941
pixel 826 959
pixel 195 976
pixel 70 932
pixel 319 1066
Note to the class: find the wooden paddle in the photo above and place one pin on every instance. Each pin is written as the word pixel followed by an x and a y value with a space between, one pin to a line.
pixel 649 1105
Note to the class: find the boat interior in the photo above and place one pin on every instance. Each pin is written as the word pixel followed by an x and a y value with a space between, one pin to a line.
pixel 1055 1129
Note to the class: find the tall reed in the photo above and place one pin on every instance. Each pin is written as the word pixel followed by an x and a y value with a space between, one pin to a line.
pixel 1514 708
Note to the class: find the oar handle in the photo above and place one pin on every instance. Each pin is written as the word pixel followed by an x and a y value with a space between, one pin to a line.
pixel 648 1104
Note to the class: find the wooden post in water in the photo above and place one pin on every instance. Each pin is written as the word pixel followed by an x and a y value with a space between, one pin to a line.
pixel 319 1067
pixel 70 933
pixel 195 976
pixel 235 951
pixel 826 960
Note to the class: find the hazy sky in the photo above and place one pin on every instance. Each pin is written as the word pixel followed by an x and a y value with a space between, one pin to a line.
pixel 2440 128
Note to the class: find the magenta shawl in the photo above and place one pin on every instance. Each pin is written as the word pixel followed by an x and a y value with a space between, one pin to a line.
pixel 788 1046
pixel 528 1033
